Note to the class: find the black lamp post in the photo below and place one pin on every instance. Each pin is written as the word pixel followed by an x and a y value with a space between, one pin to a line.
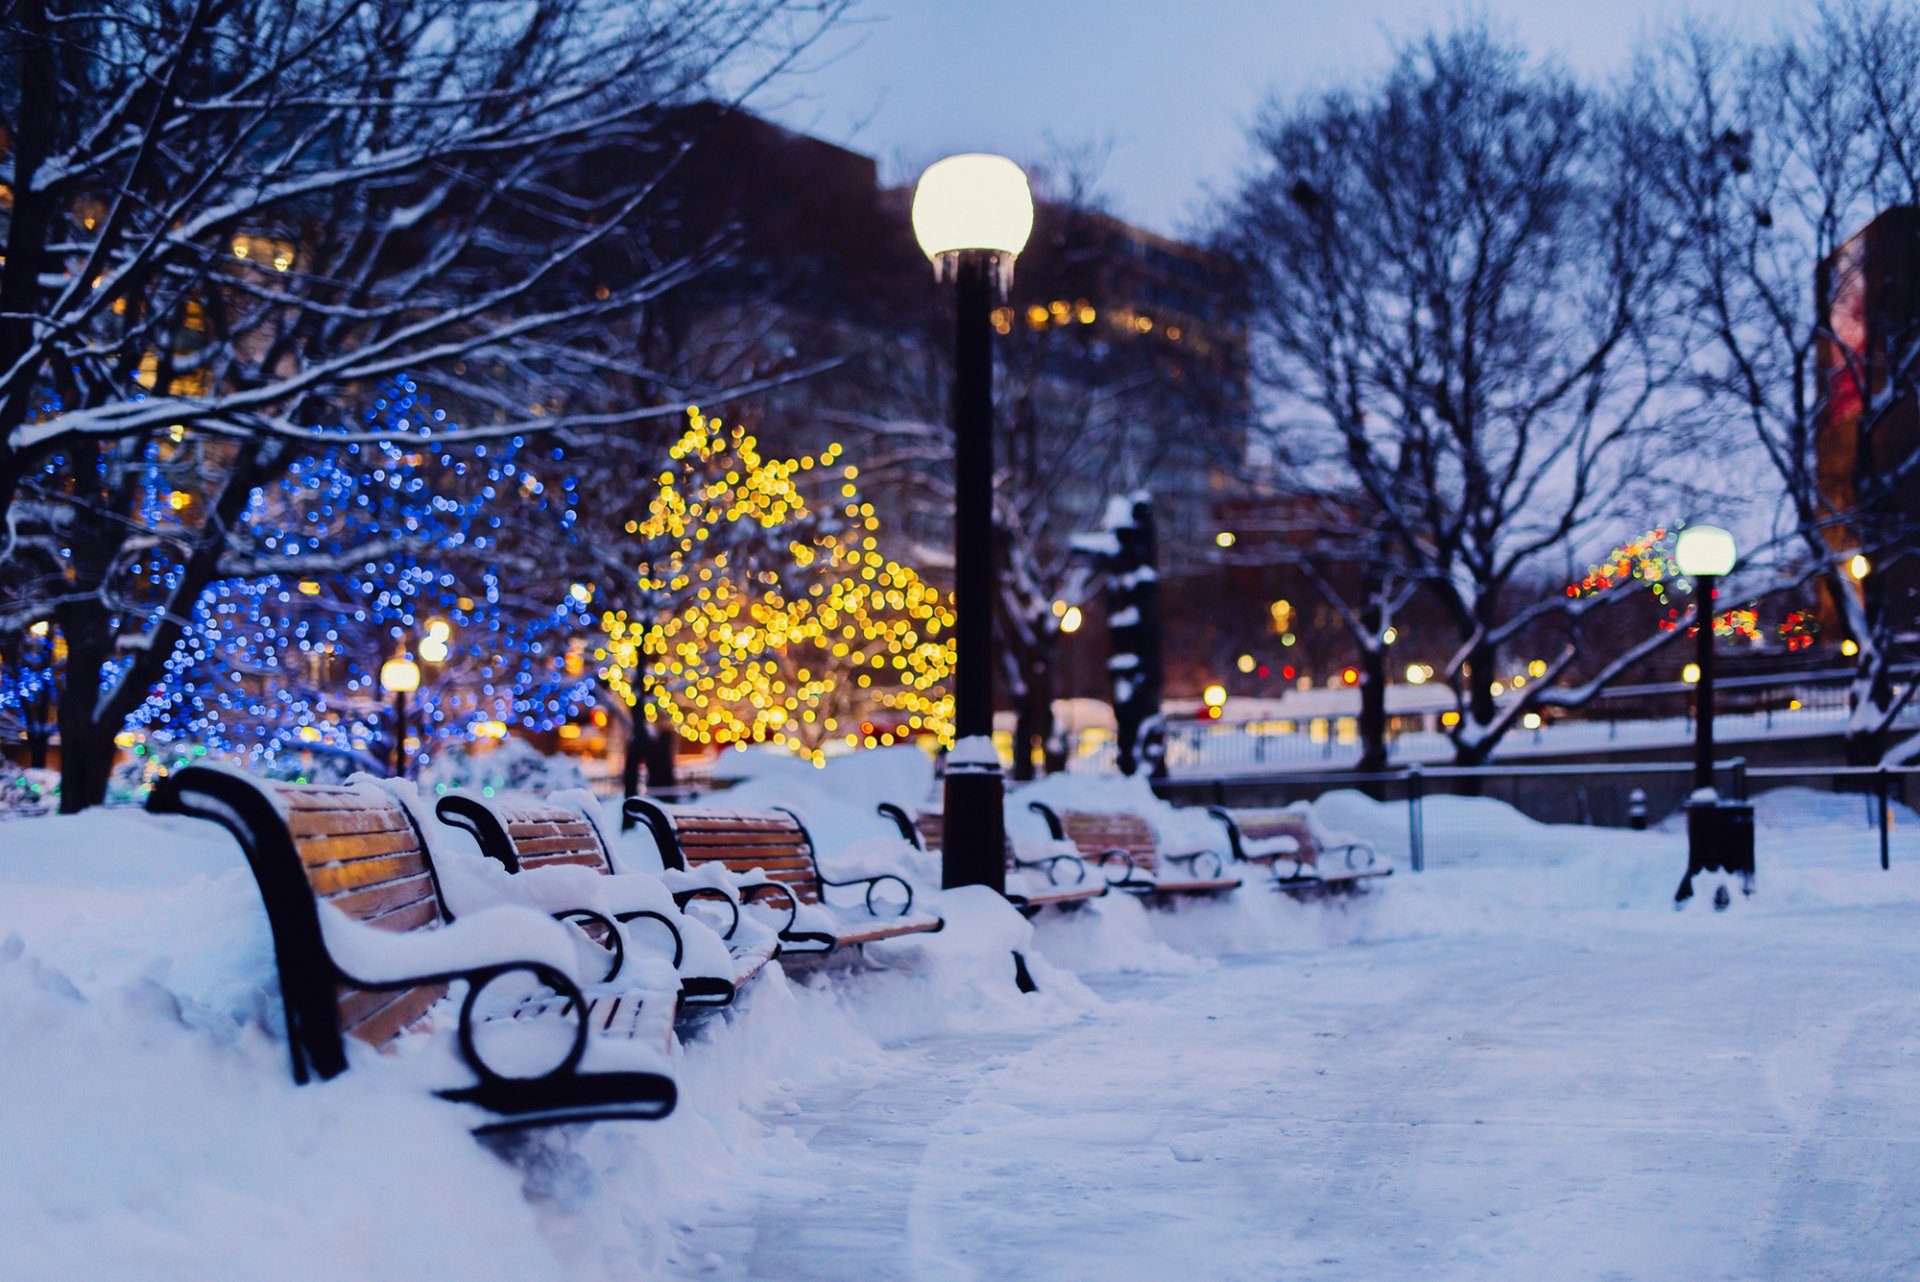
pixel 400 676
pixel 1719 831
pixel 972 215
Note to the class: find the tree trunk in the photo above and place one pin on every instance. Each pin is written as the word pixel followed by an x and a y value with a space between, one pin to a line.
pixel 660 752
pixel 1133 628
pixel 86 746
pixel 1033 719
pixel 1472 750
pixel 634 753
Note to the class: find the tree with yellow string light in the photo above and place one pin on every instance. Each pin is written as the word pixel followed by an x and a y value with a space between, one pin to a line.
pixel 766 618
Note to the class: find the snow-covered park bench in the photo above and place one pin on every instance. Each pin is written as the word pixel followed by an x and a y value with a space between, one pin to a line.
pixel 1117 840
pixel 366 948
pixel 769 858
pixel 1067 885
pixel 534 838
pixel 1284 842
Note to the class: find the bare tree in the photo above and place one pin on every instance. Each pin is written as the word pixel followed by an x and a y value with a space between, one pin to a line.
pixel 1777 155
pixel 1458 296
pixel 226 219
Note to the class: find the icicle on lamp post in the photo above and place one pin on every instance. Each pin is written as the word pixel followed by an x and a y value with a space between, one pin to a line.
pixel 1719 833
pixel 972 215
pixel 400 677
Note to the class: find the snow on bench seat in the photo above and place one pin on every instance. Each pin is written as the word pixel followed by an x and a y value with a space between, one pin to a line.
pixel 769 857
pixel 1127 843
pixel 559 857
pixel 1272 837
pixel 1059 879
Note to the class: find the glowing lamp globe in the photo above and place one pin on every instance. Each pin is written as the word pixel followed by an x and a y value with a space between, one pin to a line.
pixel 1704 550
pixel 400 676
pixel 973 201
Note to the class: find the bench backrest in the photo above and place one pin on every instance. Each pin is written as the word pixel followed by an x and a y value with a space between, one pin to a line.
pixel 774 841
pixel 1097 832
pixel 528 832
pixel 354 847
pixel 929 829
pixel 1256 826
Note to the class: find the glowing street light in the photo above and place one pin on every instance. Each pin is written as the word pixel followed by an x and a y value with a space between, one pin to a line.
pixel 400 677
pixel 972 215
pixel 1705 554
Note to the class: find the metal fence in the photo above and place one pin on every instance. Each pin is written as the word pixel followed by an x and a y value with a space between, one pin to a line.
pixel 1605 795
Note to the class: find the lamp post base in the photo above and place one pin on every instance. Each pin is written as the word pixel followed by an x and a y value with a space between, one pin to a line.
pixel 974 839
pixel 1719 839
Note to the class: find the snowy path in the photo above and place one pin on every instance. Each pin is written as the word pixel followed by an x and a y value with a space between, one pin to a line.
pixel 1683 1096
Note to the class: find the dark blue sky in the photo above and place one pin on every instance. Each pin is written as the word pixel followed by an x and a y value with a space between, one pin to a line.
pixel 1167 85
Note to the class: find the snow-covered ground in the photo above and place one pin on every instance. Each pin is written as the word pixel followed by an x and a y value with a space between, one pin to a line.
pixel 1520 1064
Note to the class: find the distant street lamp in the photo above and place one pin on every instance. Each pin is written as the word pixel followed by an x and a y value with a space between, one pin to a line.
pixel 1719 832
pixel 399 677
pixel 1070 620
pixel 1705 554
pixel 972 215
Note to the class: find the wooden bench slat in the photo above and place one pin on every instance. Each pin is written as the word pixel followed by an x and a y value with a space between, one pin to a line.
pixel 742 862
pixel 525 846
pixel 731 828
pixel 548 827
pixel 315 797
pixel 385 897
pixel 319 850
pixel 886 929
pixel 330 823
pixel 328 880
pixel 419 915
pixel 788 840
pixel 582 859
pixel 1202 885
pixel 405 1010
pixel 1063 896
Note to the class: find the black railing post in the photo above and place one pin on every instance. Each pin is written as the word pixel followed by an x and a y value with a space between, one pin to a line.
pixel 1883 783
pixel 1416 820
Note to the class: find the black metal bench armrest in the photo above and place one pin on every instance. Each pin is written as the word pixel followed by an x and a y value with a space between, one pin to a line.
pixel 679 944
pixel 1046 812
pixel 614 943
pixel 1353 849
pixel 1232 825
pixel 1106 857
pixel 775 890
pixel 1049 863
pixel 871 883
pixel 477 819
pixel 684 897
pixel 572 1002
pixel 1192 860
pixel 903 822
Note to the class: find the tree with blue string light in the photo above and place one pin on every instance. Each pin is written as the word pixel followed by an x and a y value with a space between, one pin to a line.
pixel 404 546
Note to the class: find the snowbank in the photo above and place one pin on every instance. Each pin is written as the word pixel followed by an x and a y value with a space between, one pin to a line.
pixel 152 1128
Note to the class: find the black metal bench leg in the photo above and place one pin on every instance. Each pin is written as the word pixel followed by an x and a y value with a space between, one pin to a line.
pixel 1022 977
